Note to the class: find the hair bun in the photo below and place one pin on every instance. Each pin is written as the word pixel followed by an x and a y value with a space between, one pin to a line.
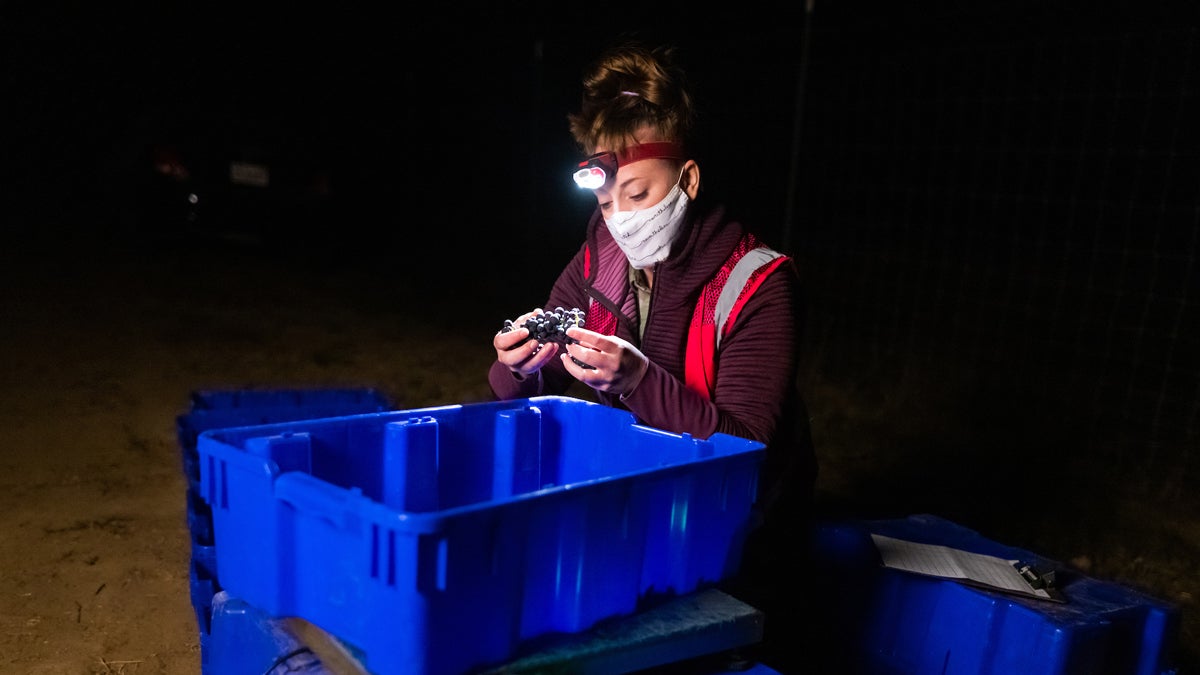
pixel 631 87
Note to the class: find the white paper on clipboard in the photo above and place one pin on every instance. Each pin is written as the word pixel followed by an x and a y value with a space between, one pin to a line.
pixel 951 563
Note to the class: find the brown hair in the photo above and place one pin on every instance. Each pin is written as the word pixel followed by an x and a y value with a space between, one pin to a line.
pixel 631 86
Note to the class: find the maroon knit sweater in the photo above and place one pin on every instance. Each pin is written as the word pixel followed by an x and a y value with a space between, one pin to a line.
pixel 756 393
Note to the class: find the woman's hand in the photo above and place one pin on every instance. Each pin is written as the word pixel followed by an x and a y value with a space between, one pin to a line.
pixel 617 367
pixel 523 357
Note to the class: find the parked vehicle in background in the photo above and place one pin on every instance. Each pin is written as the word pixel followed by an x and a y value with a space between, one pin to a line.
pixel 249 175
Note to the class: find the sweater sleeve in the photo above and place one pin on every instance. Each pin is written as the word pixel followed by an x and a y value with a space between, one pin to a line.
pixel 553 379
pixel 756 367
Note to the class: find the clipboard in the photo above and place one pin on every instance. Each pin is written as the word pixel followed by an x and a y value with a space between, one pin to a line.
pixel 974 569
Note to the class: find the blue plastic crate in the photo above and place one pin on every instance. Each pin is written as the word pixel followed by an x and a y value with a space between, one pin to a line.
pixel 440 539
pixel 199 515
pixel 881 620
pixel 202 586
pixel 215 409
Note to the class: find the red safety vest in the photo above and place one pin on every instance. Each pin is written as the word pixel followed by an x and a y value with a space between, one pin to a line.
pixel 717 308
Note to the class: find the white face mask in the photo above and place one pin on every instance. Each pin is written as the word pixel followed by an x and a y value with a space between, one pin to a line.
pixel 645 235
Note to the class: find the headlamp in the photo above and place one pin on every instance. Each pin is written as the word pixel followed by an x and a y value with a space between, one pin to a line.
pixel 593 172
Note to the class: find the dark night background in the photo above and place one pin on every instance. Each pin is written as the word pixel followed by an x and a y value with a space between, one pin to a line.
pixel 454 116
pixel 996 209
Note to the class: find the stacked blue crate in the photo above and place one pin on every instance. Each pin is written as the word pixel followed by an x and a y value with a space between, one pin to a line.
pixel 218 409
pixel 874 619
pixel 444 539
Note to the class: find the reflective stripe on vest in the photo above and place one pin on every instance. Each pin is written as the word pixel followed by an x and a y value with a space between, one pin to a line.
pixel 712 320
pixel 727 302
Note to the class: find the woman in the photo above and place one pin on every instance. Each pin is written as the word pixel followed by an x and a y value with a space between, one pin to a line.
pixel 692 324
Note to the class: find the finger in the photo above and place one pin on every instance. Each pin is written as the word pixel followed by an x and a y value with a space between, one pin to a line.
pixel 520 347
pixel 592 377
pixel 518 357
pixel 583 357
pixel 577 371
pixel 513 338
pixel 588 338
pixel 542 356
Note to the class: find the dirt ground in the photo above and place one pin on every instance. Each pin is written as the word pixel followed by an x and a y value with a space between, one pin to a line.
pixel 103 345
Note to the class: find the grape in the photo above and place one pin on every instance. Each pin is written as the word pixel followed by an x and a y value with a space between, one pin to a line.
pixel 551 327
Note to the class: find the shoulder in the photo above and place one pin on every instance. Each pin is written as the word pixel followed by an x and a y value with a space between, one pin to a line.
pixel 767 282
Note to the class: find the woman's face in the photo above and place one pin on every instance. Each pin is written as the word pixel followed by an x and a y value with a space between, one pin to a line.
pixel 638 185
pixel 645 182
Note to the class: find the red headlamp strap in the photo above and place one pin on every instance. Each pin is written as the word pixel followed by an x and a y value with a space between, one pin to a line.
pixel 656 150
pixel 593 172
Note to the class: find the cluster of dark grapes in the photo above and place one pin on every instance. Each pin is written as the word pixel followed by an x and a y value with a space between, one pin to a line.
pixel 549 326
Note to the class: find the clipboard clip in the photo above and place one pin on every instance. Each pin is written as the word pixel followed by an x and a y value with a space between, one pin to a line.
pixel 1037 580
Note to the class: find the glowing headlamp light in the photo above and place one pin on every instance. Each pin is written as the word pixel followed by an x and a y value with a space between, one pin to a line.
pixel 593 172
pixel 590 178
